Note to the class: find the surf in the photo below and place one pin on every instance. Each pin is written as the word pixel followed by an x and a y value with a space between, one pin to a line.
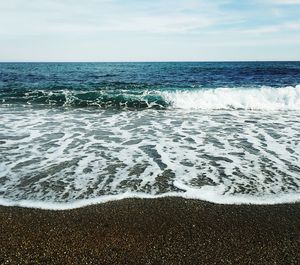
pixel 258 98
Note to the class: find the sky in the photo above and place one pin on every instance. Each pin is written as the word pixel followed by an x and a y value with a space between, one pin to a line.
pixel 149 30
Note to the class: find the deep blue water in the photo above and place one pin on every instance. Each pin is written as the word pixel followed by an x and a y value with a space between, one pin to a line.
pixel 120 84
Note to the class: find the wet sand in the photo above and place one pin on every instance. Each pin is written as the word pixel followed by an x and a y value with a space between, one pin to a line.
pixel 152 231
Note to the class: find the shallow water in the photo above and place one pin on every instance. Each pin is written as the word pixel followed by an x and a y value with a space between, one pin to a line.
pixel 62 155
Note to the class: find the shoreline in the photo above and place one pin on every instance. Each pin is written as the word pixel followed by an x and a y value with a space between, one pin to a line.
pixel 169 230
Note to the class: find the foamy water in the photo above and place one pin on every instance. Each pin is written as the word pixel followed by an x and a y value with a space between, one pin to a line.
pixel 255 98
pixel 73 134
pixel 60 158
pixel 259 98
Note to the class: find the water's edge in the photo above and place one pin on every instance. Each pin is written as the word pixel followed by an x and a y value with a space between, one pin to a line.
pixel 228 200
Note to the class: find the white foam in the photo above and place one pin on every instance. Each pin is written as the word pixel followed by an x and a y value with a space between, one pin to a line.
pixel 263 98
pixel 203 194
pixel 64 159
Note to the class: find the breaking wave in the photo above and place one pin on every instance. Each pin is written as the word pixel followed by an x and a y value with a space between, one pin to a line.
pixel 260 98
pixel 285 98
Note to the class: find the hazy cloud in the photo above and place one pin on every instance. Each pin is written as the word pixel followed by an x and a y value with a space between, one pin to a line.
pixel 139 29
pixel 286 2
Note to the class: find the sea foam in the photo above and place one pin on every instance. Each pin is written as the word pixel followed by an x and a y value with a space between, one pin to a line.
pixel 260 98
pixel 63 159
pixel 191 194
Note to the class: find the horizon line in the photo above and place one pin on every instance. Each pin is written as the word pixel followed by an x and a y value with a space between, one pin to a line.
pixel 163 61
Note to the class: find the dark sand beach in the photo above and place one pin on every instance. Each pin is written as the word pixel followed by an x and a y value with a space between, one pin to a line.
pixel 152 231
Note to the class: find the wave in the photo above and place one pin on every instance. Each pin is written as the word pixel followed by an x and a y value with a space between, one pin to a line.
pixel 259 98
pixel 79 98
pixel 264 98
pixel 193 194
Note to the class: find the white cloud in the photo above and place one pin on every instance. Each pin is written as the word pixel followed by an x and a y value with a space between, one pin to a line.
pixel 285 2
pixel 146 24
pixel 127 29
pixel 74 17
pixel 289 26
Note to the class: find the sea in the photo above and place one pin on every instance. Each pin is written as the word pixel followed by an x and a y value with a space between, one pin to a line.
pixel 74 134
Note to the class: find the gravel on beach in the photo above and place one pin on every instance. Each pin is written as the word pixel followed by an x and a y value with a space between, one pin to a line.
pixel 152 231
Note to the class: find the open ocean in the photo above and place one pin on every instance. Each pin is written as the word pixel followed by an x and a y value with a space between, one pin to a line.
pixel 72 134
